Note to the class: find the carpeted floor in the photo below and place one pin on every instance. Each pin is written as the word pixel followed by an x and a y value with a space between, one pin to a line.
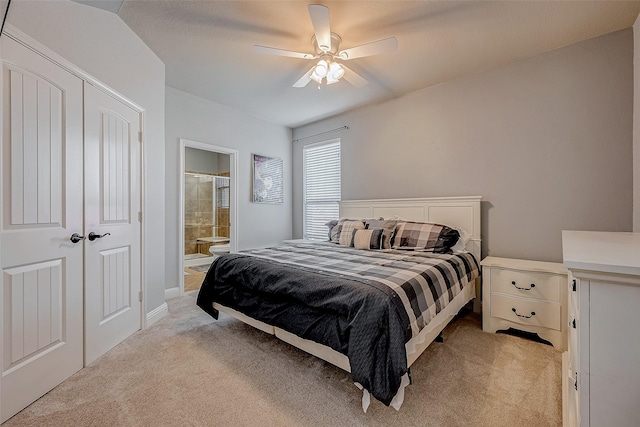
pixel 189 370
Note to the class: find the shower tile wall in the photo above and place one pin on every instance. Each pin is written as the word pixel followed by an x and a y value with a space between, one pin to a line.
pixel 222 217
pixel 198 213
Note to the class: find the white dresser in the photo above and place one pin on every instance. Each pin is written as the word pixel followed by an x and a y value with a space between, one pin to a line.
pixel 526 295
pixel 601 383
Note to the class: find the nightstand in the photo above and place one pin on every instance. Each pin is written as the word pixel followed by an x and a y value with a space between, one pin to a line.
pixel 526 295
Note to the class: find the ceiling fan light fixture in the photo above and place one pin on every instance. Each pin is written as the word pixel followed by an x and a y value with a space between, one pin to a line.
pixel 322 68
pixel 336 71
pixel 316 78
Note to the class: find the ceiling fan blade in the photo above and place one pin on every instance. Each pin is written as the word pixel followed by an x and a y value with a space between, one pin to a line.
pixel 354 78
pixel 281 52
pixel 320 20
pixel 374 48
pixel 304 80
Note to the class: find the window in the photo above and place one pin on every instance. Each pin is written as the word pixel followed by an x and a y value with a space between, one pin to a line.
pixel 321 187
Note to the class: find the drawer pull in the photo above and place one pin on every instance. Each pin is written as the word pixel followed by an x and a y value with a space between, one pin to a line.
pixel 533 313
pixel 573 285
pixel 533 285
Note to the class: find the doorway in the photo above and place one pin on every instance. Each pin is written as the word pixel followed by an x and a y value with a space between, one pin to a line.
pixel 207 208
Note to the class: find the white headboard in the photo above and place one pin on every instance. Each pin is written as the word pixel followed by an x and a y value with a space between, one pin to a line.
pixel 460 212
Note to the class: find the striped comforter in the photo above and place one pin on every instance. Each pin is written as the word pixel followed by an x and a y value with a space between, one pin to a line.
pixel 425 282
pixel 364 304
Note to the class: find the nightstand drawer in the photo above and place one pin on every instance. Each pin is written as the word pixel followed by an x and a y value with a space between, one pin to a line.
pixel 529 285
pixel 527 312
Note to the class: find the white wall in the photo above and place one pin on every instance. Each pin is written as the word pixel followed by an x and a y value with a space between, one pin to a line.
pixel 102 45
pixel 636 125
pixel 546 141
pixel 197 119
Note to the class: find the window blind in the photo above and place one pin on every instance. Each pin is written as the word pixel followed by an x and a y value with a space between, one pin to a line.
pixel 321 187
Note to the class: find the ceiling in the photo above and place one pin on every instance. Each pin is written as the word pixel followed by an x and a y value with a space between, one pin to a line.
pixel 207 46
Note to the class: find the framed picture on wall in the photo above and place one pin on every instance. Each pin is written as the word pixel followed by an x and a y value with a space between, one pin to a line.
pixel 267 179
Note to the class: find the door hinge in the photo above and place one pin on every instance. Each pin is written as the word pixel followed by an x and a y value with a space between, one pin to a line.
pixel 140 137
pixel 139 216
pixel 140 296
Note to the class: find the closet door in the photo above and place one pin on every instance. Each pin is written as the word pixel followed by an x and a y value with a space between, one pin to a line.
pixel 42 191
pixel 112 226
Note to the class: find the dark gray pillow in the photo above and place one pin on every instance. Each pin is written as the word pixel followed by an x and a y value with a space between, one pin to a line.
pixel 332 224
pixel 387 225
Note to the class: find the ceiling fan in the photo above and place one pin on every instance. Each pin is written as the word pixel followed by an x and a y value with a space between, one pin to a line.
pixel 327 51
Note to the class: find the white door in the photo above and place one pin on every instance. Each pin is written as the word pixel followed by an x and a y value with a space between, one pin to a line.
pixel 42 166
pixel 112 205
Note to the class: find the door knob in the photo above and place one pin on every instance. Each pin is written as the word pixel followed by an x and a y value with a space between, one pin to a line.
pixel 93 236
pixel 75 238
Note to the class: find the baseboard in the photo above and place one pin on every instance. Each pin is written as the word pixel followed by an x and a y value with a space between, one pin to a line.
pixel 171 293
pixel 157 313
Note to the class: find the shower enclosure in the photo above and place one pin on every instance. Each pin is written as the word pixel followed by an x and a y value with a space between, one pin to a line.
pixel 206 213
pixel 206 205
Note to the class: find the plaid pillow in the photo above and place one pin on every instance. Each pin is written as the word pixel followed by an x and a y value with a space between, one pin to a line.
pixel 346 231
pixel 334 234
pixel 424 236
pixel 335 229
pixel 367 239
pixel 370 222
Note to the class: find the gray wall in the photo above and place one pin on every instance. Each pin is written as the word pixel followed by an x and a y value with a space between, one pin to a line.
pixel 546 141
pixel 101 44
pixel 4 5
pixel 197 119
pixel 636 126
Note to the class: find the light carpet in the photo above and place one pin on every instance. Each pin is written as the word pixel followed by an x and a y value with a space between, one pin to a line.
pixel 189 370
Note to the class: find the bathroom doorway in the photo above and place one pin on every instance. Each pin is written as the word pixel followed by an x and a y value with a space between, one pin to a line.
pixel 208 208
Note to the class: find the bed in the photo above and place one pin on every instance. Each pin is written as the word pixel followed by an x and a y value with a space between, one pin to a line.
pixel 369 312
